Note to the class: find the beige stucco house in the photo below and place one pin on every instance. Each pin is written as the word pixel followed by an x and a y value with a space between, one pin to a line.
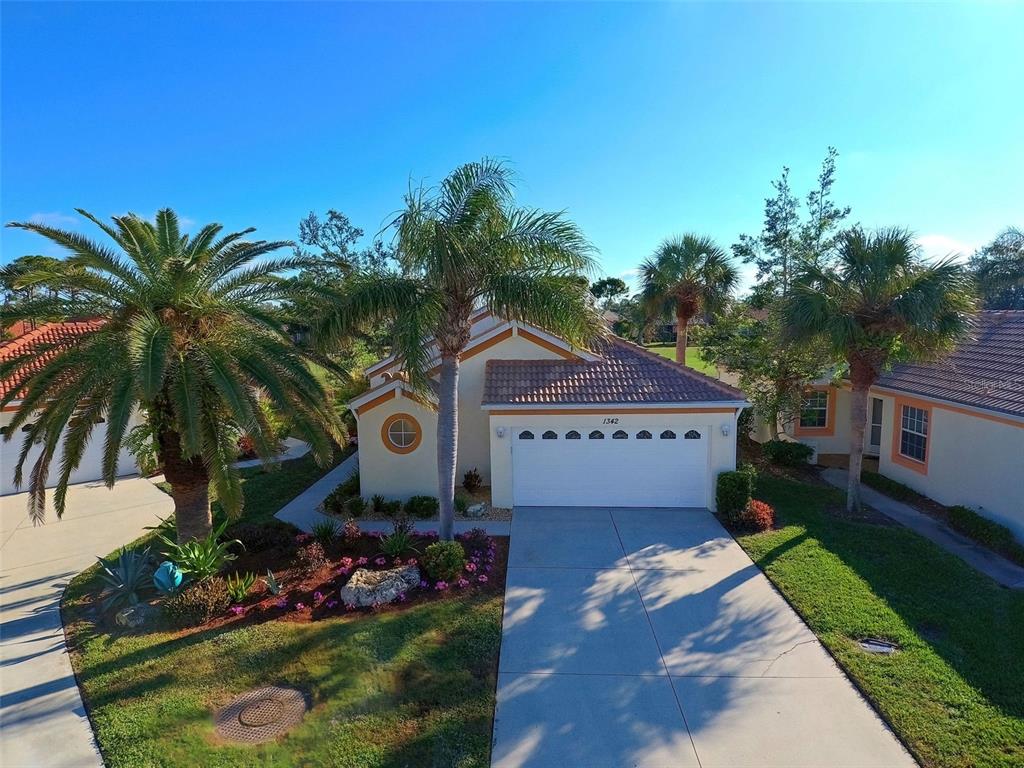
pixel 545 423
pixel 952 430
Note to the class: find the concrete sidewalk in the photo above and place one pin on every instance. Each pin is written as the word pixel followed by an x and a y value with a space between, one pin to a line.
pixel 41 713
pixel 978 557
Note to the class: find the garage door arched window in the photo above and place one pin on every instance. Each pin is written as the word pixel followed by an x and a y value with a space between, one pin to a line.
pixel 597 434
pixel 549 435
pixel 572 435
pixel 401 433
pixel 643 434
pixel 668 434
pixel 619 434
pixel 693 434
pixel 526 435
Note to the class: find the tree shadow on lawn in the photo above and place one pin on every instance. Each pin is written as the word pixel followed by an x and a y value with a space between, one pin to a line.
pixel 923 598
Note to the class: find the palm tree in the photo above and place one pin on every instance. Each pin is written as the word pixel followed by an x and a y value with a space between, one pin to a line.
pixel 879 304
pixel 461 247
pixel 686 276
pixel 191 336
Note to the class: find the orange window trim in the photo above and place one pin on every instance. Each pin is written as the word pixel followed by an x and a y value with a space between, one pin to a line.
pixel 949 407
pixel 386 439
pixel 601 411
pixel 830 415
pixel 897 430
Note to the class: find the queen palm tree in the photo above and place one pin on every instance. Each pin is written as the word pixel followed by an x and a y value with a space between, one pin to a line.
pixel 686 276
pixel 191 337
pixel 880 303
pixel 462 247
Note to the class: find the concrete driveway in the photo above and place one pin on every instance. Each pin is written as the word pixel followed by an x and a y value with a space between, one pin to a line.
pixel 41 712
pixel 647 637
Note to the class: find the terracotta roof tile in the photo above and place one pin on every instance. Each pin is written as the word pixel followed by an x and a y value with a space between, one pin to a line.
pixel 626 373
pixel 46 341
pixel 986 371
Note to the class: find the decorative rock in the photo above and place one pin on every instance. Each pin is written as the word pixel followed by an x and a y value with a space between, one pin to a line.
pixel 367 588
pixel 134 616
pixel 477 510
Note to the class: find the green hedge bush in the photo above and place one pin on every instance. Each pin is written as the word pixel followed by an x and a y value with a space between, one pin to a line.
pixel 422 507
pixel 444 560
pixel 733 492
pixel 786 453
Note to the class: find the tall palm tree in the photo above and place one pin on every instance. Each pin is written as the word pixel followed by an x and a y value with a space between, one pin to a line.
pixel 686 276
pixel 881 303
pixel 460 247
pixel 191 336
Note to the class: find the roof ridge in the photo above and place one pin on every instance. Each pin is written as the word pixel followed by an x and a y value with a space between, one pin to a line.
pixel 673 365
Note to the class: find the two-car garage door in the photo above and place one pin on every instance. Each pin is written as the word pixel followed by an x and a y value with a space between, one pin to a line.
pixel 610 467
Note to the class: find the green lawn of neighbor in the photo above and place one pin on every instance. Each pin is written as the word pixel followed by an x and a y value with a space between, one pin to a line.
pixel 397 688
pixel 693 358
pixel 955 692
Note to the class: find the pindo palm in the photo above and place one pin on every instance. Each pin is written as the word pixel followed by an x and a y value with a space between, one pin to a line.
pixel 191 335
pixel 462 247
pixel 880 304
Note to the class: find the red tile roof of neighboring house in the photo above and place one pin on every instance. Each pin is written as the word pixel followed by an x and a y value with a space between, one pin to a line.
pixel 985 371
pixel 47 341
pixel 626 373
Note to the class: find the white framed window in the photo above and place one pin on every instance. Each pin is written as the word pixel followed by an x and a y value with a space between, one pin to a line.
pixel 402 433
pixel 914 433
pixel 814 410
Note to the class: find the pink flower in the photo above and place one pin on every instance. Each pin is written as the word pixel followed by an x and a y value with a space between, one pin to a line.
pixel 318 597
pixel 462 583
pixel 470 567
pixel 441 586
pixel 411 561
pixel 282 603
pixel 481 578
pixel 362 561
pixel 424 584
pixel 397 561
pixel 238 610
pixel 380 561
pixel 346 562
pixel 332 603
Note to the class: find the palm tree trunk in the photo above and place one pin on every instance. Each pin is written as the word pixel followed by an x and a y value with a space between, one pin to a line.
pixel 682 321
pixel 447 442
pixel 190 488
pixel 862 376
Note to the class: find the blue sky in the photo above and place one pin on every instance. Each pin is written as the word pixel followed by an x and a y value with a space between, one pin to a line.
pixel 641 120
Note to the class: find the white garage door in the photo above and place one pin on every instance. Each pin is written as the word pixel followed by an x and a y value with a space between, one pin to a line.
pixel 610 467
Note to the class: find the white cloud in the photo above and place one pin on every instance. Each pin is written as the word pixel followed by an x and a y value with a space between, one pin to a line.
pixel 937 246
pixel 54 219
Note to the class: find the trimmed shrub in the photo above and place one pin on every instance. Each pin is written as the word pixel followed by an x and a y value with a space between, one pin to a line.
pixel 391 508
pixel 311 557
pixel 786 453
pixel 260 537
pixel 758 515
pixel 733 492
pixel 444 560
pixel 461 503
pixel 198 603
pixel 354 506
pixel 475 538
pixel 334 503
pixel 351 486
pixel 377 503
pixel 890 487
pixel 981 529
pixel 472 481
pixel 422 507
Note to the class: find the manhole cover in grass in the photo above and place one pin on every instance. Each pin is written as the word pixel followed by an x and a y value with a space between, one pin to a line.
pixel 261 715
pixel 874 645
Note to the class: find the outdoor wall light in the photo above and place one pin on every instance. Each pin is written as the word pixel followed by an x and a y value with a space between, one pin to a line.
pixel 725 430
pixel 500 431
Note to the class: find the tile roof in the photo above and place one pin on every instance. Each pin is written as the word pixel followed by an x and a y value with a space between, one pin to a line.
pixel 626 373
pixel 985 371
pixel 46 341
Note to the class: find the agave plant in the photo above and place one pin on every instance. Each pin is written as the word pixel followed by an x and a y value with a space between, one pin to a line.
pixel 199 559
pixel 239 585
pixel 273 585
pixel 125 577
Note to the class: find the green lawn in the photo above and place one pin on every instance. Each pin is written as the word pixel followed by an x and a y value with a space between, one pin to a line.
pixel 955 692
pixel 409 688
pixel 693 358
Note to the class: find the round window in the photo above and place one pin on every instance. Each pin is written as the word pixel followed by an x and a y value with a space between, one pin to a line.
pixel 401 433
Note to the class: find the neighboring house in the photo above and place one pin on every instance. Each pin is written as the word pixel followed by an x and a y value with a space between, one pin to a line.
pixel 952 430
pixel 545 423
pixel 46 341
